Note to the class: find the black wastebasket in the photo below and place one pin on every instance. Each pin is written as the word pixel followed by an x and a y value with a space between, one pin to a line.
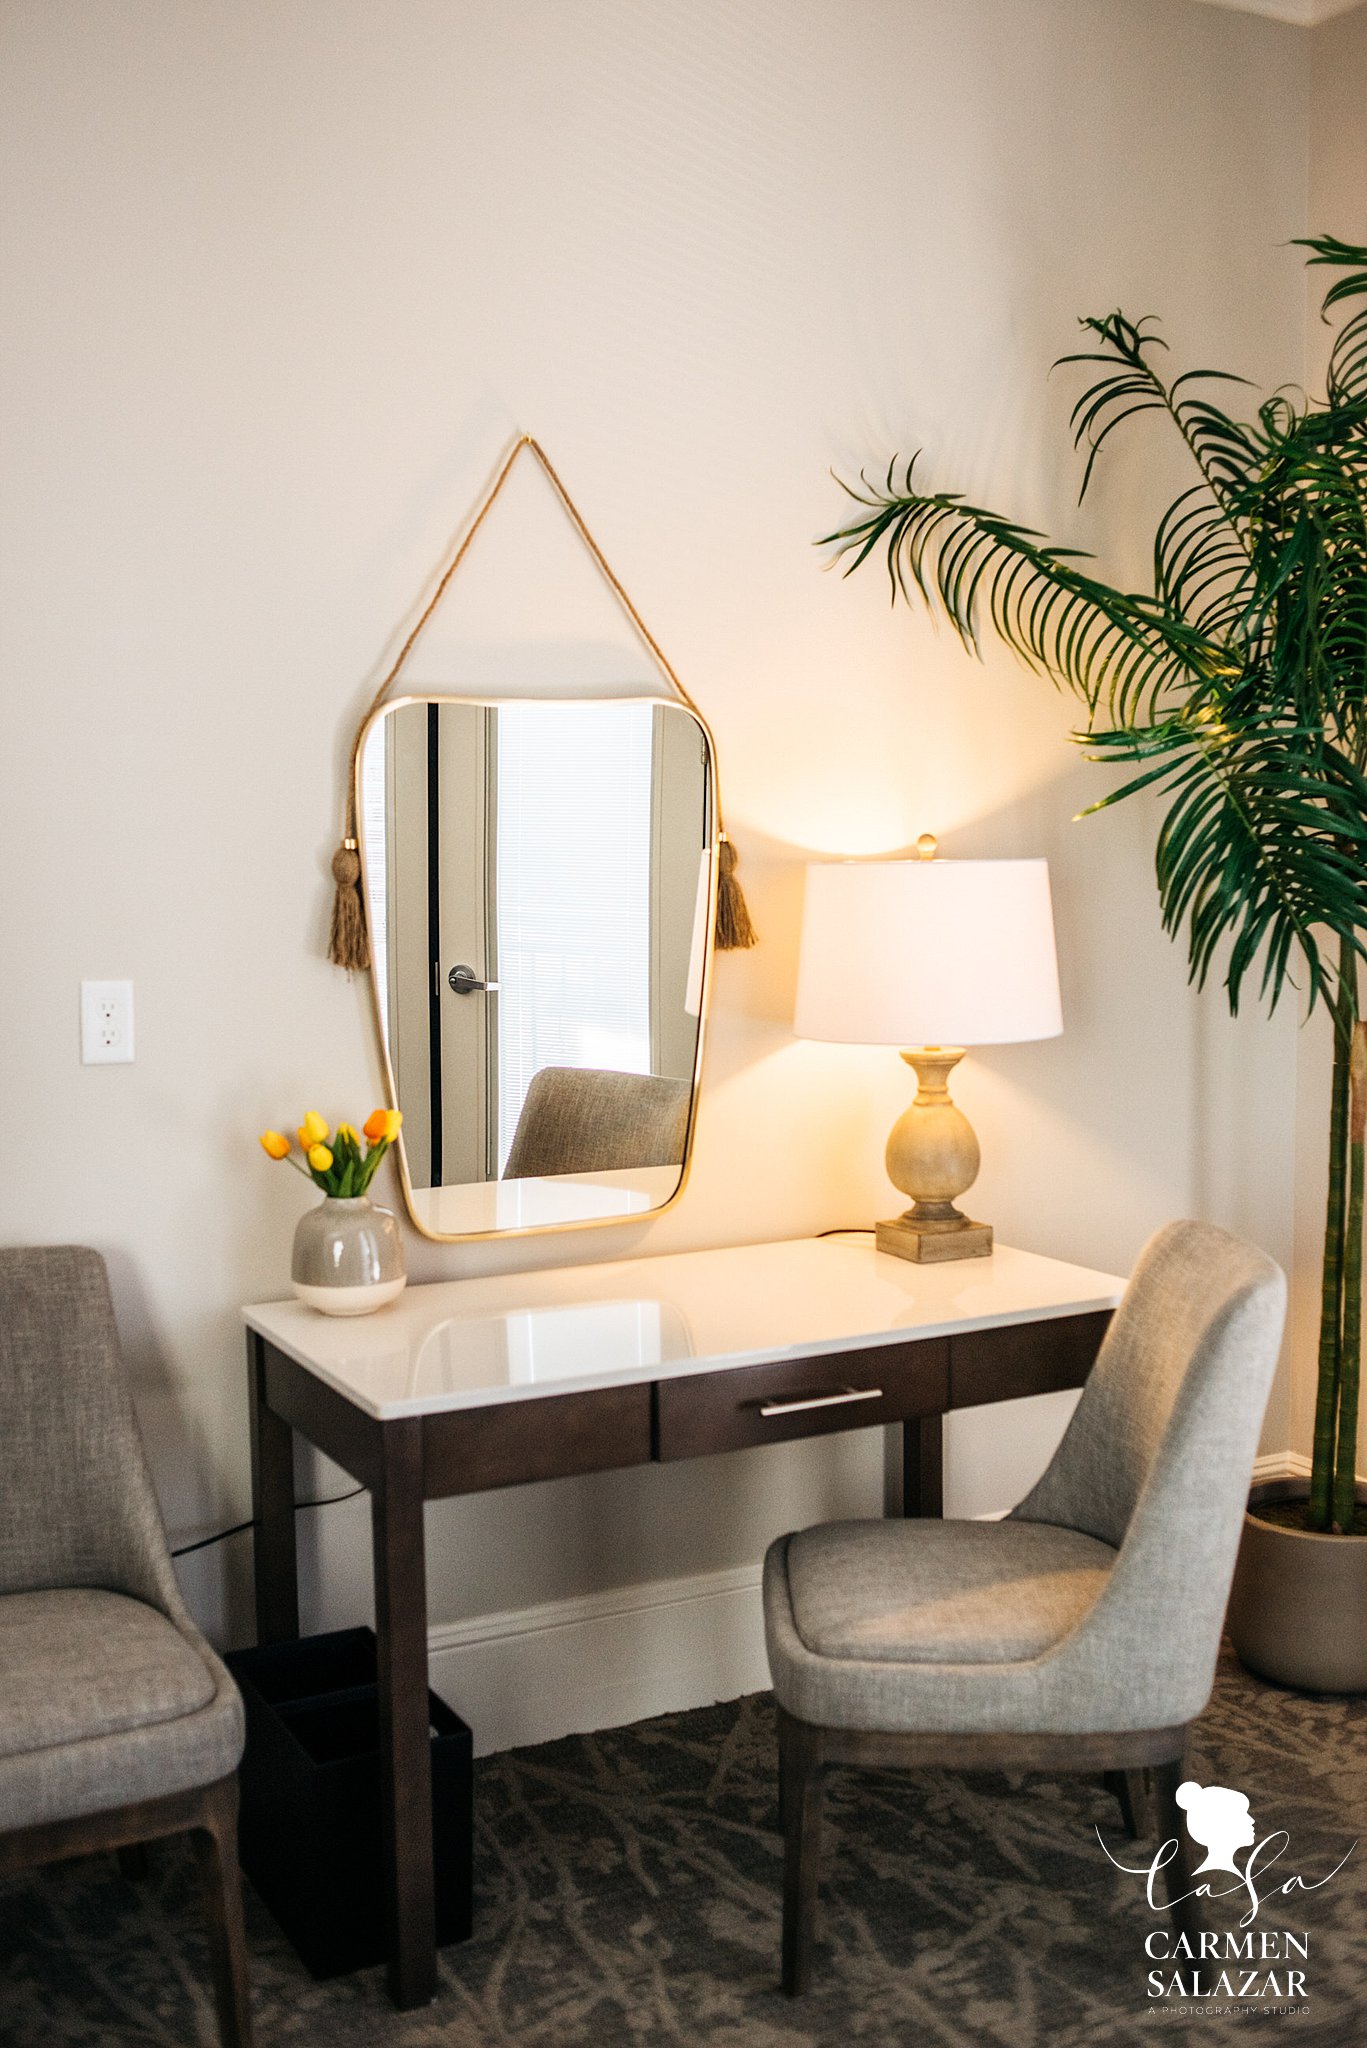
pixel 310 1825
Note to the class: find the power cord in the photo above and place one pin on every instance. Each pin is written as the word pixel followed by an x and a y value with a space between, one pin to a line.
pixel 848 1230
pixel 222 1535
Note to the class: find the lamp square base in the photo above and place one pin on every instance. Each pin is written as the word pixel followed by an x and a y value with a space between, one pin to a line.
pixel 932 1247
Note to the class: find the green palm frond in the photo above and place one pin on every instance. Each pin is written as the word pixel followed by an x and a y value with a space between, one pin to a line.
pixel 1307 523
pixel 1202 570
pixel 1264 843
pixel 1348 361
pixel 1225 449
pixel 1127 652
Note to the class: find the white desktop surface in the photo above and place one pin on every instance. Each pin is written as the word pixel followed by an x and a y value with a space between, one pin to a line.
pixel 516 1336
pixel 543 1202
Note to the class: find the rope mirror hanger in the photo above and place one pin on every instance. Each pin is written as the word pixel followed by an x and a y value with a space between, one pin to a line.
pixel 349 943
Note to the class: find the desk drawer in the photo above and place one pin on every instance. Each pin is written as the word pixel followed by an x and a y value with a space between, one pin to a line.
pixel 1024 1358
pixel 725 1411
pixel 553 1436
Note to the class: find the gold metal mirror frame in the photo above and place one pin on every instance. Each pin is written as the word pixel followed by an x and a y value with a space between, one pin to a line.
pixel 381 711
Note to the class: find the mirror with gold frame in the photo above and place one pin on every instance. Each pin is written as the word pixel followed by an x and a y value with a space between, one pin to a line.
pixel 540 880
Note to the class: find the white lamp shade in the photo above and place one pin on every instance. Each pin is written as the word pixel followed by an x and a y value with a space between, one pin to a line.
pixel 928 952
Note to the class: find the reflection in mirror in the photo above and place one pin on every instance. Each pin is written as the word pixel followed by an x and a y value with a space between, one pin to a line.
pixel 539 886
pixel 541 1345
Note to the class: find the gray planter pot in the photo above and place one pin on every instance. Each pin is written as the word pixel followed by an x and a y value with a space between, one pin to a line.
pixel 1298 1605
pixel 348 1257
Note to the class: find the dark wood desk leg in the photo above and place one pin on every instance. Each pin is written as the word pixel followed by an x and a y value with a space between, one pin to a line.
pixel 923 1460
pixel 277 1577
pixel 405 1745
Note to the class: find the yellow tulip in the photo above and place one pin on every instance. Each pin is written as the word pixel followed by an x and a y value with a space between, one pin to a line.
pixel 393 1118
pixel 376 1124
pixel 316 1128
pixel 347 1132
pixel 320 1159
pixel 275 1143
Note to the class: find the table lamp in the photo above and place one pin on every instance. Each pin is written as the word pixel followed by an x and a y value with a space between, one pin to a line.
pixel 934 956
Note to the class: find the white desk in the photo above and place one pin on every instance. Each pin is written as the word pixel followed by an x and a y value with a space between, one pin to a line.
pixel 472 1384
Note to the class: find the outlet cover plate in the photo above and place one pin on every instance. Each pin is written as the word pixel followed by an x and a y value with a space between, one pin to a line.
pixel 106 1023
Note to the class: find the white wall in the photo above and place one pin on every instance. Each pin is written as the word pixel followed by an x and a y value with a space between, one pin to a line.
pixel 281 282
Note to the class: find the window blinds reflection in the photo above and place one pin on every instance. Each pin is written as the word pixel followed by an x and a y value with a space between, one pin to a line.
pixel 374 808
pixel 573 893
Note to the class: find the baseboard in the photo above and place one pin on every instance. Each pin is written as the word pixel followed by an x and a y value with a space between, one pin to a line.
pixel 603 1660
pixel 606 1659
pixel 1281 1465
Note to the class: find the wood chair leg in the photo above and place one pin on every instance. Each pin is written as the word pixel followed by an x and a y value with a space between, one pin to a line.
pixel 800 1788
pixel 1131 1792
pixel 783 1790
pixel 1183 1905
pixel 1141 1798
pixel 132 1861
pixel 216 1849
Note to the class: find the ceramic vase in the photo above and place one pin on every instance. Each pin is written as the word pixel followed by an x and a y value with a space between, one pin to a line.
pixel 348 1257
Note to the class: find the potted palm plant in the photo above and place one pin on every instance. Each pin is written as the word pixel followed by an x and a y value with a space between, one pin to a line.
pixel 1238 689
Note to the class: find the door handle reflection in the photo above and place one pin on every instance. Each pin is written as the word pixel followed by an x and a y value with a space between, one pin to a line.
pixel 464 981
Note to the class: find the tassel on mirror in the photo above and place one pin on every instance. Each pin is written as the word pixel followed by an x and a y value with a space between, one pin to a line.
pixel 348 944
pixel 735 932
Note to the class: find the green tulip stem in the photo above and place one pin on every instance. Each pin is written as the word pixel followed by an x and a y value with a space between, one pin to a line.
pixel 370 1164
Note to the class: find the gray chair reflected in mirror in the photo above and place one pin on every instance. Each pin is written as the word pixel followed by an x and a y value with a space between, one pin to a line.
pixel 118 1724
pixel 594 1120
pixel 1080 1633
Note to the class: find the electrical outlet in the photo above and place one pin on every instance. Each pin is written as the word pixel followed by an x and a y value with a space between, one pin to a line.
pixel 106 1023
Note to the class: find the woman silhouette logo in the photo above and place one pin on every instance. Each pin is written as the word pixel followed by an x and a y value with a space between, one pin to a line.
pixel 1220 1821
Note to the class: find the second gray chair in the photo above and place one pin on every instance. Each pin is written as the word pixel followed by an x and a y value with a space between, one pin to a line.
pixel 118 1724
pixel 1081 1633
pixel 593 1119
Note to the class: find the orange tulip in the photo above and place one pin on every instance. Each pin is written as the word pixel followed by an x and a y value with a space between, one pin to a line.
pixel 276 1144
pixel 376 1125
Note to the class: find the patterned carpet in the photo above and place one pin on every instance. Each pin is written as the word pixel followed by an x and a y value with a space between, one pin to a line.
pixel 627 1891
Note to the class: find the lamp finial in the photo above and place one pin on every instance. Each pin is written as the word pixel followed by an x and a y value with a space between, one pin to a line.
pixel 927 846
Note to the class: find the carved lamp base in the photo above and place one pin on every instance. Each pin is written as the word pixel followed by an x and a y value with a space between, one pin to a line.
pixel 930 1247
pixel 933 1156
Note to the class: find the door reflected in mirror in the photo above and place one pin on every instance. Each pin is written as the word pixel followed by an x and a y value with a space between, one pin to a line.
pixel 539 880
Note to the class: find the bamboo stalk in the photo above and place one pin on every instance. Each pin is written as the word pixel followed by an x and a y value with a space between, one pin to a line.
pixel 1319 1512
pixel 1350 1355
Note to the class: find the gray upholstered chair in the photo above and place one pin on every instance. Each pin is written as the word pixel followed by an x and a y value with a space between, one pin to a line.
pixel 1078 1634
pixel 591 1119
pixel 118 1724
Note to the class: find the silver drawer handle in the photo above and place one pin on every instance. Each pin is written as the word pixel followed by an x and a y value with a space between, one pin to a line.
pixel 822 1401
